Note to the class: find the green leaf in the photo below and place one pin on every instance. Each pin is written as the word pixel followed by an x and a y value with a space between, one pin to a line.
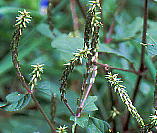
pixel 108 8
pixel 2 104
pixel 16 101
pixel 81 121
pixel 13 97
pixel 6 63
pixel 107 49
pixel 67 45
pixel 150 66
pixel 89 104
pixel 44 30
pixel 98 126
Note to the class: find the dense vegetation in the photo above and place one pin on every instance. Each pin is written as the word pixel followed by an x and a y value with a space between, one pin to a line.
pixel 78 66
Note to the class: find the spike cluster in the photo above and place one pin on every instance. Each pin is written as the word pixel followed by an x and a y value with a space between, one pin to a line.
pixel 120 90
pixel 62 129
pixel 23 18
pixel 153 119
pixel 36 75
pixel 88 52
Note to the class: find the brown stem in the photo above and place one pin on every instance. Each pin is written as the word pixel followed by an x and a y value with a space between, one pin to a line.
pixel 74 15
pixel 49 15
pixel 106 66
pixel 81 8
pixel 142 67
pixel 43 113
pixel 155 94
pixel 68 106
pixel 14 44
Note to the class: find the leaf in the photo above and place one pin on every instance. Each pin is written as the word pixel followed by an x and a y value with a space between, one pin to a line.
pixel 6 63
pixel 16 101
pixel 89 104
pixel 2 104
pixel 108 8
pixel 107 49
pixel 13 97
pixel 67 45
pixel 81 121
pixel 98 126
pixel 44 30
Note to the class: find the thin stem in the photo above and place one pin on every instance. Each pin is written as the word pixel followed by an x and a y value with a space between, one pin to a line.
pixel 74 15
pixel 86 93
pixel 142 67
pixel 14 44
pixel 155 94
pixel 43 113
pixel 81 8
pixel 106 66
pixel 68 106
pixel 49 15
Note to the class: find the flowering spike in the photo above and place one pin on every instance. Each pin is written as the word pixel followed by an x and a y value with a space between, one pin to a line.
pixel 62 129
pixel 36 74
pixel 120 89
pixel 23 18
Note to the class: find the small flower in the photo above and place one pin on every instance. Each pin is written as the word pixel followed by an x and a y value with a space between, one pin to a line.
pixel 23 18
pixel 153 119
pixel 113 78
pixel 62 129
pixel 120 90
pixel 36 74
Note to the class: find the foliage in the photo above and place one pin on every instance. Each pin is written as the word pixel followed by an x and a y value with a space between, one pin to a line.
pixel 70 91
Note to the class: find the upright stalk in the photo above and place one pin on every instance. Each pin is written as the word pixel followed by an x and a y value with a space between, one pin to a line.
pixel 142 67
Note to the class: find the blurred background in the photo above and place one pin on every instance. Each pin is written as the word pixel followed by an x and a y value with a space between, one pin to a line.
pixel 119 46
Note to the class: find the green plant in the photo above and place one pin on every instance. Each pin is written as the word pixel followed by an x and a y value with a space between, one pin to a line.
pixel 108 45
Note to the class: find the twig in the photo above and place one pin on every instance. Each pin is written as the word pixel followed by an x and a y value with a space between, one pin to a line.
pixel 43 113
pixel 49 15
pixel 74 15
pixel 68 106
pixel 86 93
pixel 81 8
pixel 142 67
pixel 155 94
pixel 106 66
pixel 14 47
pixel 108 38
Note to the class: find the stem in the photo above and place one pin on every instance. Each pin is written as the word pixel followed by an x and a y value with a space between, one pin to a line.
pixel 43 113
pixel 74 15
pixel 155 94
pixel 81 8
pixel 79 110
pixel 106 66
pixel 68 106
pixel 142 67
pixel 14 44
pixel 49 15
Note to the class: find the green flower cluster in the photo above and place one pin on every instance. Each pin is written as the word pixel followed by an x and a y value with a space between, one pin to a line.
pixel 120 90
pixel 62 129
pixel 23 18
pixel 153 119
pixel 36 74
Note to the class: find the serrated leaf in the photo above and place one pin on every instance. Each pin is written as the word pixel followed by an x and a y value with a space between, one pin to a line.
pixel 16 101
pixel 81 121
pixel 89 104
pixel 98 126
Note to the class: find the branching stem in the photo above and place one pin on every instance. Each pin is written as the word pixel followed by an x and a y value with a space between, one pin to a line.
pixel 142 66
